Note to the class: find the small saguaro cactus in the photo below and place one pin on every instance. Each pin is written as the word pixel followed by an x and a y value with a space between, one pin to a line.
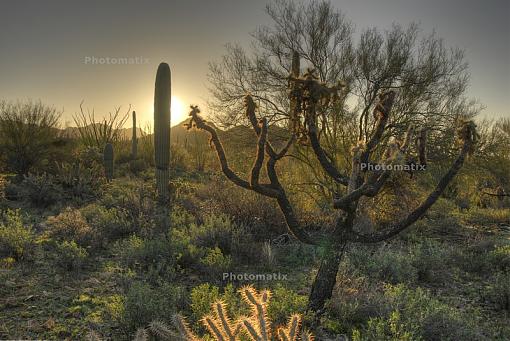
pixel 134 139
pixel 108 161
pixel 162 98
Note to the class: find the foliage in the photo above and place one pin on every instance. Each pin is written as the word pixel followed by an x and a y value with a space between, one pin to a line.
pixel 70 225
pixel 260 215
pixel 215 263
pixel 498 291
pixel 77 180
pixel 41 190
pixel 285 302
pixel 388 266
pixel 28 133
pixel 97 133
pixel 144 303
pixel 69 255
pixel 17 240
pixel 414 315
pixel 108 223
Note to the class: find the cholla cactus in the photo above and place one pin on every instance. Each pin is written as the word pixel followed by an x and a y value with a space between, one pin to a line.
pixel 108 161
pixel 256 327
pixel 134 139
pixel 219 323
pixel 467 134
pixel 162 98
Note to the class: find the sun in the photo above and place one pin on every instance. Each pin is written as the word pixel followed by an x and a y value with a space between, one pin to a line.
pixel 177 111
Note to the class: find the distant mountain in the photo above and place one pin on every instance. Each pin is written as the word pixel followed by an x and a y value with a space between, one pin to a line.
pixel 238 136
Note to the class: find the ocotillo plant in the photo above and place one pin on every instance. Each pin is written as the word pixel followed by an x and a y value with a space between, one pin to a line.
pixel 134 139
pixel 108 161
pixel 308 97
pixel 162 98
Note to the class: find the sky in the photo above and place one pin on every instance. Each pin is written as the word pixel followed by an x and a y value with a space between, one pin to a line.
pixel 47 48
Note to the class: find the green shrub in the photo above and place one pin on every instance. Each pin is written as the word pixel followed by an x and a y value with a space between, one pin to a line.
pixel 28 132
pixel 79 180
pixel 154 257
pixel 70 225
pixel 414 315
pixel 382 263
pixel 202 296
pixel 485 216
pixel 431 258
pixel 109 223
pixel 498 291
pixel 261 216
pixel 69 255
pixel 215 231
pixel 354 301
pixel 41 190
pixel 16 239
pixel 500 258
pixel 145 303
pixel 284 303
pixel 215 263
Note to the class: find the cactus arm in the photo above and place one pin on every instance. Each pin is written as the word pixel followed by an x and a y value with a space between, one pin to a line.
pixel 212 325
pixel 255 171
pixel 425 205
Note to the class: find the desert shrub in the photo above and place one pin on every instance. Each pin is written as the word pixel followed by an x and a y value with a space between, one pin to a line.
pixel 144 303
pixel 385 264
pixel 154 257
pixel 41 190
pixel 135 199
pixel 108 223
pixel 485 216
pixel 215 231
pixel 69 255
pixel 260 215
pixel 284 303
pixel 477 257
pixel 202 296
pixel 297 254
pixel 430 258
pixel 215 263
pixel 70 225
pixel 79 181
pixel 498 291
pixel 28 131
pixel 355 300
pixel 414 315
pixel 500 257
pixel 17 240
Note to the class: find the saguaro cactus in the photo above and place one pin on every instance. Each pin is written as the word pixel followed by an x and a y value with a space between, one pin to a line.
pixel 162 98
pixel 108 161
pixel 134 140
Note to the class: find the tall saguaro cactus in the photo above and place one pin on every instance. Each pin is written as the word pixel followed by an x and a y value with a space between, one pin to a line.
pixel 108 161
pixel 134 140
pixel 162 98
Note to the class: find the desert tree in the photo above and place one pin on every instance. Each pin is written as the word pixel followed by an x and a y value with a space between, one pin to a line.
pixel 430 77
pixel 381 100
pixel 28 130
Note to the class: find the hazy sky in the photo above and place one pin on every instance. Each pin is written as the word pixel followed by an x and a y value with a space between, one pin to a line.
pixel 44 44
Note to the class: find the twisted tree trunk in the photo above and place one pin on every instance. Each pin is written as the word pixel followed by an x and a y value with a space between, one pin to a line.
pixel 324 283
